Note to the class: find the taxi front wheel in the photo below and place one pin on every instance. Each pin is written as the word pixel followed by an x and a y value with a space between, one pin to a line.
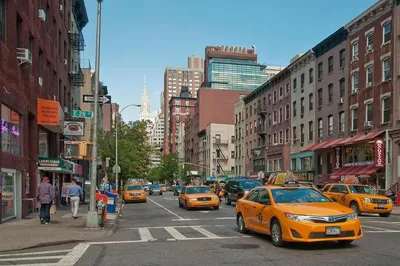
pixel 276 234
pixel 384 214
pixel 345 242
pixel 241 224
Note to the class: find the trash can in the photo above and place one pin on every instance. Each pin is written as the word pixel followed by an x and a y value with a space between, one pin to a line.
pixel 112 202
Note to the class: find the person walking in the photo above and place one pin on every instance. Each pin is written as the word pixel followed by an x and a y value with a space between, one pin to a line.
pixel 45 195
pixel 74 194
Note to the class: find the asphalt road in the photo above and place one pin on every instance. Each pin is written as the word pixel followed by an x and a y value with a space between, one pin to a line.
pixel 160 233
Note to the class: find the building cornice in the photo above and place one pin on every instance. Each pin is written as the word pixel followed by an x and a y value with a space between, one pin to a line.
pixel 302 61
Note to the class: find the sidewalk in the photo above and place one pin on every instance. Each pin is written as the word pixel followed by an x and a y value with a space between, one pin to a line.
pixel 396 210
pixel 27 233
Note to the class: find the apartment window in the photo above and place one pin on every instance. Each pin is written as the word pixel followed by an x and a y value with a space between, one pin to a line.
pixel 269 140
pixel 354 118
pixel 310 130
pixel 310 101
pixel 275 116
pixel 281 137
pixel 269 119
pixel 294 84
pixel 275 139
pixel 354 82
pixel 330 125
pixel 48 75
pixel 342 87
pixel 386 69
pixel 330 92
pixel 302 77
pixel 387 28
pixel 280 92
pixel 18 30
pixel 320 70
pixel 302 133
pixel 302 106
pixel 3 21
pixel 342 55
pixel 275 96
pixel 341 122
pixel 320 128
pixel 287 112
pixel 59 43
pixel 287 135
pixel 294 134
pixel 311 75
pixel 294 108
pixel 287 88
pixel 320 97
pixel 280 114
pixel 370 40
pixel 269 99
pixel 251 110
pixel 354 48
pixel 386 110
pixel 40 63
pixel 370 74
pixel 330 64
pixel 368 112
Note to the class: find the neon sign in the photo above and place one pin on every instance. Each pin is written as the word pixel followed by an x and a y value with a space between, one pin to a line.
pixel 4 128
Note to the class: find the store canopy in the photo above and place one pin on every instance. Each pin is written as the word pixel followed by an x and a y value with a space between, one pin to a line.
pixel 324 179
pixel 355 170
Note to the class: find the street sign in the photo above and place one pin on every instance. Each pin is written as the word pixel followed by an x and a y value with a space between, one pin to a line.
pixel 116 169
pixel 82 114
pixel 87 98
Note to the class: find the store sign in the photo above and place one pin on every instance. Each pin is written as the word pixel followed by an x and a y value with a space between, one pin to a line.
pixel 338 158
pixel 47 164
pixel 5 126
pixel 379 152
pixel 72 128
pixel 358 164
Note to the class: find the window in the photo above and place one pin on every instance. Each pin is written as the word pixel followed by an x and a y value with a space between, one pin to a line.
pixel 387 28
pixel 329 163
pixel 320 128
pixel 320 97
pixel 368 112
pixel 386 69
pixel 280 92
pixel 330 125
pixel 370 74
pixel 275 139
pixel 330 64
pixel 281 137
pixel 302 77
pixel 287 89
pixel 330 93
pixel 354 47
pixel 280 114
pixel 370 41
pixel 18 30
pixel 294 134
pixel 310 101
pixel 341 122
pixel 40 63
pixel 342 55
pixel 294 84
pixel 320 70
pixel 302 133
pixel 275 116
pixel 3 21
pixel 287 134
pixel 294 108
pixel 354 82
pixel 354 118
pixel 275 96
pixel 386 110
pixel 342 87
pixel 269 119
pixel 10 131
pixel 287 112
pixel 302 105
pixel 310 130
pixel 311 75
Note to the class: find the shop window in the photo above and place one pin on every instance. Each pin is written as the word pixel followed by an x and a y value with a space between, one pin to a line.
pixel 329 163
pixel 10 131
pixel 8 195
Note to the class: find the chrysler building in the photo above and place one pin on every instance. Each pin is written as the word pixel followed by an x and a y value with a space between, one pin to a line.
pixel 145 105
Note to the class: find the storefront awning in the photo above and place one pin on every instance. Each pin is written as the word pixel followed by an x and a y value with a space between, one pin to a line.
pixel 355 170
pixel 324 179
pixel 362 137
pixel 55 165
pixel 321 145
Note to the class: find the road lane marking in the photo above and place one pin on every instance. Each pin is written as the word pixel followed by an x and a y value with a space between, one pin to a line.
pixel 205 211
pixel 376 228
pixel 386 231
pixel 116 242
pixel 203 219
pixel 205 232
pixel 32 258
pixel 175 233
pixel 175 226
pixel 384 222
pixel 145 234
pixel 74 255
pixel 168 240
pixel 36 253
pixel 159 205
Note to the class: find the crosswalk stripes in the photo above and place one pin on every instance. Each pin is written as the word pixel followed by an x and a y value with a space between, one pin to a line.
pixel 45 258
pixel 378 225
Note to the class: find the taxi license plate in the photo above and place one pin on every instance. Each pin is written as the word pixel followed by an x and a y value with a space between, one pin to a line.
pixel 205 202
pixel 381 206
pixel 332 231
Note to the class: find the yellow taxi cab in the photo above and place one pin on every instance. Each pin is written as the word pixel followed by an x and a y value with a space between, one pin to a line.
pixel 361 198
pixel 198 197
pixel 308 184
pixel 163 187
pixel 295 213
pixel 134 193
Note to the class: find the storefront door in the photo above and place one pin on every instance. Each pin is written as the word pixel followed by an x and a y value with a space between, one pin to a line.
pixel 8 206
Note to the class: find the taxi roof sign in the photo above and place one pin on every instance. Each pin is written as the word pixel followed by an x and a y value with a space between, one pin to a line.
pixel 281 178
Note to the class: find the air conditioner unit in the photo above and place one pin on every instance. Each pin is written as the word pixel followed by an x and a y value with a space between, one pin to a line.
pixel 65 62
pixel 66 109
pixel 24 56
pixel 341 100
pixel 368 124
pixel 370 48
pixel 42 15
pixel 61 8
pixel 40 81
pixel 369 84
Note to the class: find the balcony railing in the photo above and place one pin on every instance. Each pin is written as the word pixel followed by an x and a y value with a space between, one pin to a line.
pixel 262 110
pixel 221 141
pixel 77 76
pixel 261 130
pixel 77 41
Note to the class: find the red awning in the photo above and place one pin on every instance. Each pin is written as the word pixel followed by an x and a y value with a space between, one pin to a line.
pixel 323 179
pixel 362 137
pixel 356 170
pixel 318 146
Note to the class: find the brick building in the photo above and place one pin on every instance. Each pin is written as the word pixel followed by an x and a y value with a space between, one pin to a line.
pixel 35 90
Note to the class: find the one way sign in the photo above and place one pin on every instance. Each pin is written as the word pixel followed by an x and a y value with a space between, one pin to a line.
pixel 102 99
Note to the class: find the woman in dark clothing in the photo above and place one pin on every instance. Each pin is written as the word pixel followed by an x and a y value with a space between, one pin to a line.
pixel 45 195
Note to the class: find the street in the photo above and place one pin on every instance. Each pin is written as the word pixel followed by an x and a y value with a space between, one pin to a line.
pixel 160 233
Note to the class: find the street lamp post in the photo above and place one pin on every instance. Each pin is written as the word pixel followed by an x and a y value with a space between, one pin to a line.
pixel 92 219
pixel 117 169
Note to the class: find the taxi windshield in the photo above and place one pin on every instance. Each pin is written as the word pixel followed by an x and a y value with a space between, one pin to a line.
pixel 134 188
pixel 155 186
pixel 194 190
pixel 297 195
pixel 249 184
pixel 361 189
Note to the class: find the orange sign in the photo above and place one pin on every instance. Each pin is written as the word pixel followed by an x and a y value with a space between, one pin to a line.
pixel 48 112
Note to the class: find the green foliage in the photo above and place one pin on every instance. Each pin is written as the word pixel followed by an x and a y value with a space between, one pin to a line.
pixel 169 169
pixel 133 149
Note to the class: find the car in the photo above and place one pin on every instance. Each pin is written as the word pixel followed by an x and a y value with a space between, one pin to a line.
pixel 296 214
pixel 134 193
pixel 236 189
pixel 146 187
pixel 177 190
pixel 163 187
pixel 198 197
pixel 155 189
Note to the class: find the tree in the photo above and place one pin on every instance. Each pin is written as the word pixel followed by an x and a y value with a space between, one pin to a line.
pixel 169 169
pixel 133 149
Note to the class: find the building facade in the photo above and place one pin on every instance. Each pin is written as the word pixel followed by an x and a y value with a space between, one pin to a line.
pixel 239 138
pixel 252 164
pixel 145 111
pixel 271 71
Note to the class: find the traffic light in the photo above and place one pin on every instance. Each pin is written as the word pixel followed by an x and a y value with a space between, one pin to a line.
pixel 78 150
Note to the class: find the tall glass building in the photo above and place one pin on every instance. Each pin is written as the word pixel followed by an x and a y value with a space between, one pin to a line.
pixel 235 74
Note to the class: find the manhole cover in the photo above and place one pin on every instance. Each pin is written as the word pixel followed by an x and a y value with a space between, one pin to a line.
pixel 240 246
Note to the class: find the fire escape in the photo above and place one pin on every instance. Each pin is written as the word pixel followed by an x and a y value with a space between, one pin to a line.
pixel 78 45
pixel 219 155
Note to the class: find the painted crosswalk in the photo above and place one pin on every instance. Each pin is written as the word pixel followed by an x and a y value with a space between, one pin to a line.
pixel 51 257
pixel 375 225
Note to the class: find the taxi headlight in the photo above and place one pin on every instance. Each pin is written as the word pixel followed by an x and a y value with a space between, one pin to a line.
pixel 144 193
pixel 352 216
pixel 192 199
pixel 298 218
pixel 368 200
pixel 214 198
pixel 389 201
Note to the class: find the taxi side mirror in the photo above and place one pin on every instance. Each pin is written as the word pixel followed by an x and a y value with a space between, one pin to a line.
pixel 265 201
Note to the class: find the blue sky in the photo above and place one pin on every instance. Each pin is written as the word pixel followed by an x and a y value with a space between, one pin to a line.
pixel 142 37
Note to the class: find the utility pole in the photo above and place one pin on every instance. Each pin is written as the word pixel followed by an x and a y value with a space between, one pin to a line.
pixel 92 219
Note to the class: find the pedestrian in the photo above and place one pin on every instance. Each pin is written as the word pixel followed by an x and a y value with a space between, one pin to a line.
pixel 45 195
pixel 74 194
pixel 107 187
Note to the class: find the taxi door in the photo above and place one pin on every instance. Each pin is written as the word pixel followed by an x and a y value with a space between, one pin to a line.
pixel 263 212
pixel 337 193
pixel 182 196
pixel 249 209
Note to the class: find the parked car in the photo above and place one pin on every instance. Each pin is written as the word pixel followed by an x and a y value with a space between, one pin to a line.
pixel 236 189
pixel 155 190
